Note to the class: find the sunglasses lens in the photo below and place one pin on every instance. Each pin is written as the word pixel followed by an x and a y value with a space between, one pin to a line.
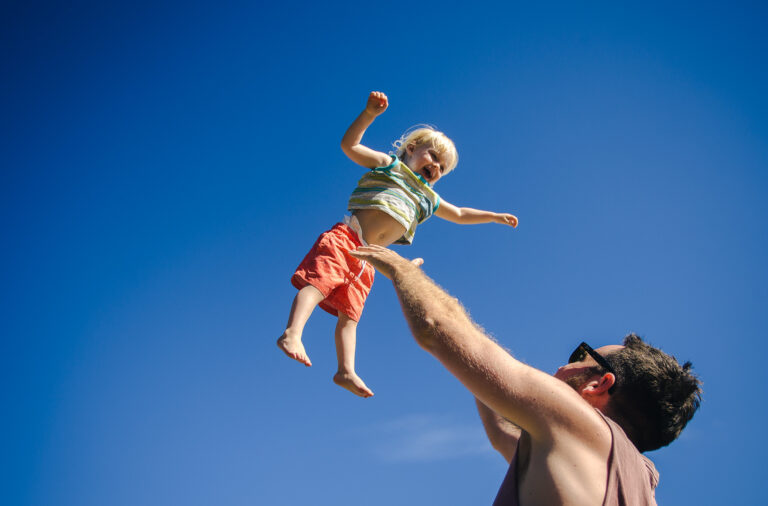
pixel 577 355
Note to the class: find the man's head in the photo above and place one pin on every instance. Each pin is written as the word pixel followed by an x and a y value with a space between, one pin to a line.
pixel 643 389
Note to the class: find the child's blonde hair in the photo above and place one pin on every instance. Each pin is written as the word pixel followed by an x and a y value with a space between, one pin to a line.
pixel 427 134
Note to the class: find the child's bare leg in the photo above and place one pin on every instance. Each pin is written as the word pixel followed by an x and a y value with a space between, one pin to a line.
pixel 346 338
pixel 303 305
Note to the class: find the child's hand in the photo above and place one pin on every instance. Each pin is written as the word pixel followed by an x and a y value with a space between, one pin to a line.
pixel 507 219
pixel 377 103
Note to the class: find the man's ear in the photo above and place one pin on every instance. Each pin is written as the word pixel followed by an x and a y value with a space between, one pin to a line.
pixel 596 393
pixel 600 385
pixel 409 148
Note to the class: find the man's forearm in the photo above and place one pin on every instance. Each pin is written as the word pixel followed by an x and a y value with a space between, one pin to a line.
pixel 433 315
pixel 539 404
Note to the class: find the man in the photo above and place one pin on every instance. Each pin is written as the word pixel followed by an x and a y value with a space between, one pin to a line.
pixel 571 439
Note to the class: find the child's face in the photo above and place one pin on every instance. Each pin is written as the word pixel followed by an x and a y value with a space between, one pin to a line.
pixel 426 161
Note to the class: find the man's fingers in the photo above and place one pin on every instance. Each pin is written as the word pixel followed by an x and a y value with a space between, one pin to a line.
pixel 372 248
pixel 383 260
pixel 366 251
pixel 381 254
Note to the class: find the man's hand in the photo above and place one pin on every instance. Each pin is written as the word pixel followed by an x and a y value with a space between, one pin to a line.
pixel 506 219
pixel 377 103
pixel 385 260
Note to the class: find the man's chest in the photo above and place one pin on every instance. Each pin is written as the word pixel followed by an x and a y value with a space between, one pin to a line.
pixel 546 476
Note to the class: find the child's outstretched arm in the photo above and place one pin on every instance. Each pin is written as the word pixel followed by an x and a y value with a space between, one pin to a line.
pixel 469 216
pixel 350 143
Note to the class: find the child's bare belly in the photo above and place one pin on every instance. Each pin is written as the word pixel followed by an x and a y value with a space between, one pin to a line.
pixel 378 227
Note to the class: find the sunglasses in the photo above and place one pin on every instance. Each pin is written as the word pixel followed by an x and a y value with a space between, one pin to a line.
pixel 581 352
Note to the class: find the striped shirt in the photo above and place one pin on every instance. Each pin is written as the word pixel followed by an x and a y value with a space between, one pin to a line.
pixel 399 192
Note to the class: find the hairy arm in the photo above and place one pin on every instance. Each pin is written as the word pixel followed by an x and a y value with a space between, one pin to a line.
pixel 350 143
pixel 469 216
pixel 503 434
pixel 534 401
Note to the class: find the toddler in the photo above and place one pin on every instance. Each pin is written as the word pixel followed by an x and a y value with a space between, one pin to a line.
pixel 389 202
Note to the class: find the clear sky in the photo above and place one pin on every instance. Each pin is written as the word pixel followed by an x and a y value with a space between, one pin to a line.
pixel 166 165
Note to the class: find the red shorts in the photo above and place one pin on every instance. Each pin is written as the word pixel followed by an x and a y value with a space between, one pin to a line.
pixel 344 280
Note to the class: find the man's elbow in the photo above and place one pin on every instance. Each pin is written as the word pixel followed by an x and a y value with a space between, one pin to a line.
pixel 503 443
pixel 424 331
pixel 500 446
pixel 434 332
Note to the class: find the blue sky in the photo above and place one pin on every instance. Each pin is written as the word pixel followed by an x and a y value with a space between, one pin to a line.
pixel 166 167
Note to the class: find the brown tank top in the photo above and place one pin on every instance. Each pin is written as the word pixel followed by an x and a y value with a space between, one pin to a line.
pixel 632 477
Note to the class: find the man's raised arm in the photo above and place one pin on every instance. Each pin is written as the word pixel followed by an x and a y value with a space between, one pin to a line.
pixel 536 402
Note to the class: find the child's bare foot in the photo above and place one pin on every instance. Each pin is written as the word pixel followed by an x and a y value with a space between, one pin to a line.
pixel 353 383
pixel 294 348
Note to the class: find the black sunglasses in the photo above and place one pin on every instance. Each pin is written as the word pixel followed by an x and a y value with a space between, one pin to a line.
pixel 581 352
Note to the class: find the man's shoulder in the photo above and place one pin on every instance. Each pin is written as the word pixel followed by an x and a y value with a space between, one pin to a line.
pixel 631 475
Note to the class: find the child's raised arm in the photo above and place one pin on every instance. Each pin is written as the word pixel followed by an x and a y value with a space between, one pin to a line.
pixel 469 216
pixel 350 143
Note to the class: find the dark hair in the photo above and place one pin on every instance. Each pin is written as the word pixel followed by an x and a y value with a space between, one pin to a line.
pixel 655 396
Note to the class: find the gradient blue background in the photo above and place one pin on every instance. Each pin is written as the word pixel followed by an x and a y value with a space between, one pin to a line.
pixel 166 166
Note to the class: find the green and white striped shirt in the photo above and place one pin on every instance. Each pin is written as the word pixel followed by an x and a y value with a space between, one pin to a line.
pixel 399 192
